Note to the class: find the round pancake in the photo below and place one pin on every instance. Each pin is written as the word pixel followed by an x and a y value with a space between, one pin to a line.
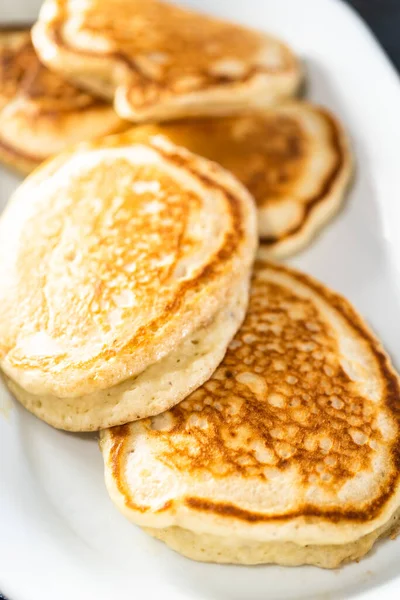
pixel 160 61
pixel 112 255
pixel 41 113
pixel 288 454
pixel 155 389
pixel 293 158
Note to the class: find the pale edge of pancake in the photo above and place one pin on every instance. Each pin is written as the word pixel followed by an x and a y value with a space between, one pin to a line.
pixel 325 208
pixel 93 72
pixel 231 550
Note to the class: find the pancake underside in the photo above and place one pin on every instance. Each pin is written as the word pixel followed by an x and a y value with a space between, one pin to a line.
pixel 156 389
pixel 228 549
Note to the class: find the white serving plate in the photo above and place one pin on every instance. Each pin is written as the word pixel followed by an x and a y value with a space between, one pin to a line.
pixel 60 536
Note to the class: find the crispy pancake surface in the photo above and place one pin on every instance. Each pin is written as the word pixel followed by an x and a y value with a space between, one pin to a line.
pixel 113 254
pixel 161 61
pixel 293 158
pixel 293 441
pixel 41 114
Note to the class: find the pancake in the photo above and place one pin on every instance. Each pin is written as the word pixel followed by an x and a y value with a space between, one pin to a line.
pixel 125 270
pixel 288 454
pixel 293 158
pixel 160 61
pixel 40 113
pixel 15 59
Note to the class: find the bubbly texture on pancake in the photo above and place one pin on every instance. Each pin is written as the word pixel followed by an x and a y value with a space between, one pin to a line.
pixel 294 439
pixel 42 113
pixel 113 254
pixel 293 158
pixel 163 61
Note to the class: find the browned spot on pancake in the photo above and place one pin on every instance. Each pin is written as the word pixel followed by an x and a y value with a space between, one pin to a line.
pixel 159 43
pixel 16 57
pixel 41 103
pixel 306 510
pixel 281 399
pixel 22 74
pixel 266 152
pixel 52 95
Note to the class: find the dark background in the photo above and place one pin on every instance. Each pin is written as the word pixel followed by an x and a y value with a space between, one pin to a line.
pixel 383 17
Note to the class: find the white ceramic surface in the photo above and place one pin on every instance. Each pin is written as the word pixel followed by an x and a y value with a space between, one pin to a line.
pixel 60 536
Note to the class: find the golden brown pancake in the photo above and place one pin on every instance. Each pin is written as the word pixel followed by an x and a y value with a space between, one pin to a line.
pixel 125 270
pixel 293 158
pixel 159 61
pixel 288 454
pixel 15 59
pixel 40 113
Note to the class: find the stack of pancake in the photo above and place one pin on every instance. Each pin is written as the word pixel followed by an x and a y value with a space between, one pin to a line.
pixel 246 413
